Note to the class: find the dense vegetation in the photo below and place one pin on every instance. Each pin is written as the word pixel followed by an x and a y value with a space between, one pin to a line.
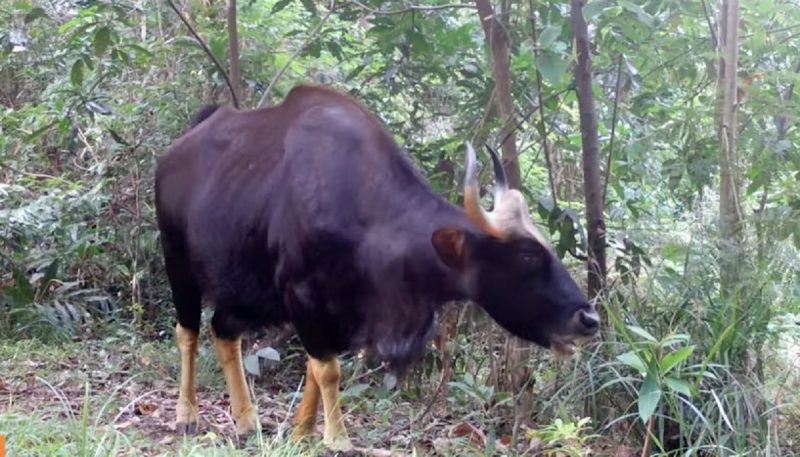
pixel 700 208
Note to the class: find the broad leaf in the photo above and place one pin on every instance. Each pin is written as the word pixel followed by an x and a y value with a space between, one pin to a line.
pixel 632 360
pixel 551 66
pixel 251 365
pixel 310 6
pixel 594 8
pixel 675 357
pixel 649 396
pixel 355 390
pixel 389 381
pixel 281 4
pixel 34 14
pixel 76 74
pixel 269 354
pixel 219 47
pixel 22 293
pixel 679 385
pixel 643 333
pixel 49 276
pixel 101 40
pixel 548 35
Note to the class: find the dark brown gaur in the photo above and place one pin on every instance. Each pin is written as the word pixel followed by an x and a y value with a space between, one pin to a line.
pixel 308 212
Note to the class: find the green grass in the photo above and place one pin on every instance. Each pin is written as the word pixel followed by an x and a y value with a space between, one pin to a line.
pixel 36 435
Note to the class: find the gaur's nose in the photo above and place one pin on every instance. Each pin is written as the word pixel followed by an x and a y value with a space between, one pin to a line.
pixel 589 320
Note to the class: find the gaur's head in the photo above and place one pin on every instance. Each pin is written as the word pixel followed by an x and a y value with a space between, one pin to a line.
pixel 511 271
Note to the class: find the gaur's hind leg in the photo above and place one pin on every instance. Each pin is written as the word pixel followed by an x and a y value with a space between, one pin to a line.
pixel 229 356
pixel 186 296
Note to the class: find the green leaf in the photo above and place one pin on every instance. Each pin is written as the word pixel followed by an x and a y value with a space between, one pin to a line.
pixel 643 333
pixel 269 353
pixel 354 390
pixel 314 48
pixel 674 339
pixel 22 292
pixel 101 40
pixel 218 47
pixel 310 6
pixel 355 72
pixel 679 385
pixel 140 50
pixel 418 42
pixel 548 35
pixel 281 4
pixel 87 62
pixel 76 74
pixel 334 49
pixel 551 66
pixel 649 396
pixel 120 56
pixel 673 251
pixel 49 276
pixel 594 8
pixel 251 365
pixel 632 360
pixel 34 14
pixel 675 357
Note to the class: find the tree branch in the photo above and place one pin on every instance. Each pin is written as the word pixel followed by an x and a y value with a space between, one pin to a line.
pixel 592 186
pixel 233 50
pixel 313 35
pixel 412 8
pixel 207 51
pixel 710 24
pixel 541 124
pixel 613 130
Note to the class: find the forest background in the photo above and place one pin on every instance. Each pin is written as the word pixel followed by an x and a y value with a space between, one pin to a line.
pixel 655 140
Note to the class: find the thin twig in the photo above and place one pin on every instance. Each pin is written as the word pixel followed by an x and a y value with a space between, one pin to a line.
pixel 526 117
pixel 479 126
pixel 412 8
pixel 613 129
pixel 207 51
pixel 313 35
pixel 648 432
pixel 541 124
pixel 710 24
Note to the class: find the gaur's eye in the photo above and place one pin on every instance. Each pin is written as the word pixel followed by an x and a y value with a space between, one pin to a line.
pixel 530 257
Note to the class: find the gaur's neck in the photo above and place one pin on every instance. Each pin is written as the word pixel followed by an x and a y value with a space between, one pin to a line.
pixel 441 283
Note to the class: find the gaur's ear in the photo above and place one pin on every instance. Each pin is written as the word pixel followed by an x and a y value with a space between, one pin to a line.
pixel 452 245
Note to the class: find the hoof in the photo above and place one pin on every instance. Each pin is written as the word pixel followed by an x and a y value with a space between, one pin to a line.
pixel 186 428
pixel 247 423
pixel 301 431
pixel 340 444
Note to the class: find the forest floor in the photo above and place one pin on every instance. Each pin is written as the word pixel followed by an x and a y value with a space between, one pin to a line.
pixel 117 397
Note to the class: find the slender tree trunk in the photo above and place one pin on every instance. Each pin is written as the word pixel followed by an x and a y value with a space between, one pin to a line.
pixel 495 31
pixel 592 184
pixel 730 211
pixel 233 51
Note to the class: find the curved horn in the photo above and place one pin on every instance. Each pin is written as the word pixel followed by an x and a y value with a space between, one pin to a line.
pixel 472 199
pixel 501 182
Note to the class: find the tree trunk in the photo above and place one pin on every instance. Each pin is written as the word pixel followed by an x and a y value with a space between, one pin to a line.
pixel 592 185
pixel 495 31
pixel 517 352
pixel 233 51
pixel 730 211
